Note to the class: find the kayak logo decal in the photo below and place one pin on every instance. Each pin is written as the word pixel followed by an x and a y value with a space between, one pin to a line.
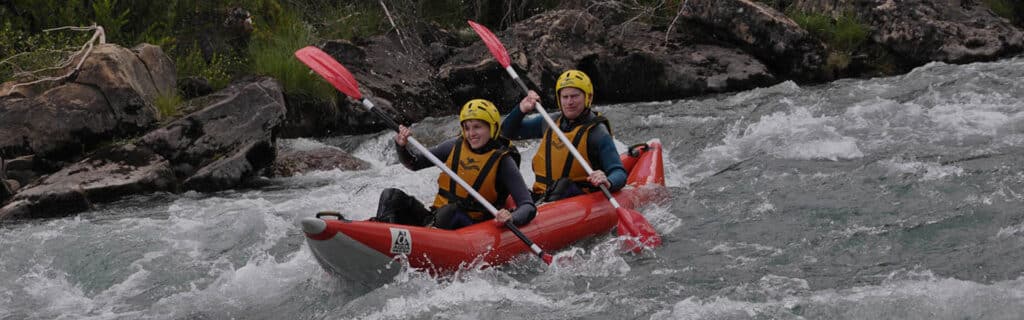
pixel 401 241
pixel 557 144
pixel 469 164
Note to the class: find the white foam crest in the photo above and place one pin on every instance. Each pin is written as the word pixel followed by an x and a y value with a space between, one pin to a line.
pixel 661 218
pixel 797 135
pixel 378 151
pixel 785 88
pixel 260 282
pixel 1010 231
pixel 927 170
pixel 303 144
pixel 355 193
pixel 975 116
pixel 924 299
pixel 765 206
pixel 604 259
pixel 55 295
pixel 745 253
pixel 675 176
pixel 455 294
pixel 660 120
pixel 202 229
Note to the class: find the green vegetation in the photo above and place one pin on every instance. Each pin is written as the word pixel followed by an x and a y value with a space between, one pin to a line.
pixel 1009 9
pixel 843 35
pixel 21 51
pixel 1002 8
pixel 346 21
pixel 272 54
pixel 167 104
pixel 218 71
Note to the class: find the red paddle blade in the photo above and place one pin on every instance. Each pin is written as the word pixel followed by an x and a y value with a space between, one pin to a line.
pixel 547 258
pixel 492 42
pixel 633 224
pixel 328 68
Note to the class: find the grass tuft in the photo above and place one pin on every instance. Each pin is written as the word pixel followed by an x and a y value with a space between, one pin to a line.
pixel 272 53
pixel 167 104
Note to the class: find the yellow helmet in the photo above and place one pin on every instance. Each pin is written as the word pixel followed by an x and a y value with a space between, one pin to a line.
pixel 575 79
pixel 480 109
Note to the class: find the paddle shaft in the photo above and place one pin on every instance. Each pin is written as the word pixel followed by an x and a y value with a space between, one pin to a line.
pixel 437 162
pixel 561 136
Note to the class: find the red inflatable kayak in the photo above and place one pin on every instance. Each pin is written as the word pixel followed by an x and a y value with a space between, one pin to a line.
pixel 362 250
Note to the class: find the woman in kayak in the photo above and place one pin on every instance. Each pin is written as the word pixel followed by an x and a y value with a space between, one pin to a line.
pixel 480 157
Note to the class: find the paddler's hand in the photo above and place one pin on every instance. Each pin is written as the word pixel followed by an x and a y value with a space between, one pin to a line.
pixel 598 178
pixel 502 216
pixel 402 137
pixel 529 102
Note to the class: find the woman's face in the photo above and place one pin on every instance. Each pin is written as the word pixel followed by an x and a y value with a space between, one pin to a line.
pixel 476 132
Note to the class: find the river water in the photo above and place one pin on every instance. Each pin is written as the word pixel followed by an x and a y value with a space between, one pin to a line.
pixel 887 198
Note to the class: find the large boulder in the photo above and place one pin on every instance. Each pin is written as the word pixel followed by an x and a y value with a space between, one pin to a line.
pixel 59 124
pixel 229 140
pixel 631 62
pixel 130 80
pixel 397 78
pixel 110 96
pixel 789 50
pixel 7 186
pixel 541 48
pixel 954 31
pixel 105 175
pixel 294 158
pixel 640 66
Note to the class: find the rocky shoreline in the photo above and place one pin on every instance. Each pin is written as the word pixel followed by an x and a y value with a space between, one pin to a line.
pixel 97 136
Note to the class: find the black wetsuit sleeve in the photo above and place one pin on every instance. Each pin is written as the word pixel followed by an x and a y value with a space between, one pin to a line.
pixel 604 157
pixel 413 160
pixel 509 176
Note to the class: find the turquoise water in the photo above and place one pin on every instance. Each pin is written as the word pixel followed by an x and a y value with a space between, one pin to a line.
pixel 888 198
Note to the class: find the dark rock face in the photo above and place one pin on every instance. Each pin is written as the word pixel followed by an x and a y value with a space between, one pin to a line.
pixel 625 63
pixel 237 123
pixel 540 48
pixel 7 186
pixel 292 161
pixel 194 87
pixel 60 123
pixel 125 79
pixel 110 96
pixel 790 51
pixel 945 30
pixel 225 144
pixel 105 175
pixel 396 79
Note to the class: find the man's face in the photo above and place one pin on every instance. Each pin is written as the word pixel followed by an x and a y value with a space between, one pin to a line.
pixel 573 102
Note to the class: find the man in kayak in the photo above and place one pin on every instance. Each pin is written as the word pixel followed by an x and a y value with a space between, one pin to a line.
pixel 481 158
pixel 558 174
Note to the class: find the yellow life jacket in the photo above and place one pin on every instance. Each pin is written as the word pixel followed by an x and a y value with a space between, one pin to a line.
pixel 477 169
pixel 553 161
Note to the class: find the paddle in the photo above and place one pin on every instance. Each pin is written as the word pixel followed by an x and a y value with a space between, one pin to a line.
pixel 631 223
pixel 328 68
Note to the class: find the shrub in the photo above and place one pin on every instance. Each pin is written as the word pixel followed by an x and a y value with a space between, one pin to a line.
pixel 1002 8
pixel 848 33
pixel 23 52
pixel 272 52
pixel 167 104
pixel 843 35
pixel 219 71
pixel 345 21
